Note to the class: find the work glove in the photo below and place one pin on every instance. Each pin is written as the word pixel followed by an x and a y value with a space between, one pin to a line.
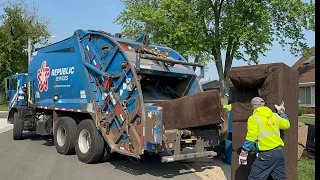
pixel 243 157
pixel 281 109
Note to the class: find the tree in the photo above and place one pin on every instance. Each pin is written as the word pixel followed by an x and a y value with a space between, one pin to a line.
pixel 203 29
pixel 18 23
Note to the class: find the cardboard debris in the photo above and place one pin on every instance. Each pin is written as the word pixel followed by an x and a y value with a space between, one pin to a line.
pixel 302 138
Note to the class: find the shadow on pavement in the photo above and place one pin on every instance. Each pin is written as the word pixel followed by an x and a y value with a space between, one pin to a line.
pixel 35 137
pixel 150 165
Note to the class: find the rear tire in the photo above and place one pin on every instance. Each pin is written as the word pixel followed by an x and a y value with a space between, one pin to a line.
pixel 17 127
pixel 106 155
pixel 89 143
pixel 65 135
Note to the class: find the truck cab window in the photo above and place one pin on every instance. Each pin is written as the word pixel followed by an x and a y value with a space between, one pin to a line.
pixel 13 84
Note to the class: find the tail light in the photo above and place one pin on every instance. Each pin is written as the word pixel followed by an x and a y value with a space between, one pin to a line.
pixel 211 141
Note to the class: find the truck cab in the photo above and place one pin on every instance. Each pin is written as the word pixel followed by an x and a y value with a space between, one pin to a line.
pixel 15 90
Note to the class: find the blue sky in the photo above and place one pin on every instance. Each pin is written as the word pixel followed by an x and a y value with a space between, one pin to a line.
pixel 66 16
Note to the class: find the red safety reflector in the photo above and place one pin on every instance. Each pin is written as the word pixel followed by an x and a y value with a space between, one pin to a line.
pixel 165 146
pixel 211 141
pixel 124 46
pixel 107 84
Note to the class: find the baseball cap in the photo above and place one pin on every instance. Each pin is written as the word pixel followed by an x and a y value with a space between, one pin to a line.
pixel 257 101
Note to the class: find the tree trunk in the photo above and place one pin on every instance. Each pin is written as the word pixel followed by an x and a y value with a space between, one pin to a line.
pixel 224 90
pixel 196 60
pixel 224 101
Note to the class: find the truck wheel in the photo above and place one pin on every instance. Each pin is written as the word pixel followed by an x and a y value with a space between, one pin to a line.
pixel 107 155
pixel 64 135
pixel 17 127
pixel 89 143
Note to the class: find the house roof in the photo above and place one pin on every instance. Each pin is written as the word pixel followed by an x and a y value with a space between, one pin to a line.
pixel 306 71
pixel 214 84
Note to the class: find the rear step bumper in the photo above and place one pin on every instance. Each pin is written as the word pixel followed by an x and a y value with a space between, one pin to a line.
pixel 167 159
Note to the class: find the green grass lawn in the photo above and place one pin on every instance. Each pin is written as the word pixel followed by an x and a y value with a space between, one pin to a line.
pixel 3 107
pixel 306 166
pixel 306 169
pixel 306 120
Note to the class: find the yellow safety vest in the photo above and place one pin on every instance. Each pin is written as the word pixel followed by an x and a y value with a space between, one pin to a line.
pixel 264 128
pixel 228 107
pixel 264 133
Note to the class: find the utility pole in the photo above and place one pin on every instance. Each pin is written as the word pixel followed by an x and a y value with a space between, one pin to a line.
pixel 29 50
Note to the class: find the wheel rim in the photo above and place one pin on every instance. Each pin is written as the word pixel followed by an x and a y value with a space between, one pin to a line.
pixel 84 141
pixel 61 136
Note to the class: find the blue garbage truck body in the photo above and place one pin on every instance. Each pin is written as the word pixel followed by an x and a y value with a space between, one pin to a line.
pixel 96 94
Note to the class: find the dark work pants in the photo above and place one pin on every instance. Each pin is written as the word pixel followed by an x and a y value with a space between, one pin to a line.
pixel 270 163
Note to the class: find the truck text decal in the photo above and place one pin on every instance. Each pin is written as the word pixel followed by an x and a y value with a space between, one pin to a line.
pixel 42 76
pixel 62 73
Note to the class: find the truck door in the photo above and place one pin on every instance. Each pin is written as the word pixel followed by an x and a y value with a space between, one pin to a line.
pixel 12 91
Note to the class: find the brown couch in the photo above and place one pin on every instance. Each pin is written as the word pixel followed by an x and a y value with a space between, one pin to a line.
pixel 276 82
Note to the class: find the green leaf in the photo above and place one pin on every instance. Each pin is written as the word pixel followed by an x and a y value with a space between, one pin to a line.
pixel 18 23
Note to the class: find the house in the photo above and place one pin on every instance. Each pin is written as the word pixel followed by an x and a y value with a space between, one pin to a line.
pixel 306 70
pixel 209 85
pixel 215 84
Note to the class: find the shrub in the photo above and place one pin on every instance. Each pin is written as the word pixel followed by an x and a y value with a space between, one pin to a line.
pixel 301 111
pixel 307 110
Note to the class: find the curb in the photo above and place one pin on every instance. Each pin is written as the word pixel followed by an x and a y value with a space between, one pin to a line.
pixel 308 115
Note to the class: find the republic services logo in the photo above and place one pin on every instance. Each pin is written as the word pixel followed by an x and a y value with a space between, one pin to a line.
pixel 43 75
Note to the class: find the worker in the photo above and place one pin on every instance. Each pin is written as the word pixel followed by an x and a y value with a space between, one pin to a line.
pixel 264 132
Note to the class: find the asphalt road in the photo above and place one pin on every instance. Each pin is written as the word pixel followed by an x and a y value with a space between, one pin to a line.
pixel 35 158
pixel 3 114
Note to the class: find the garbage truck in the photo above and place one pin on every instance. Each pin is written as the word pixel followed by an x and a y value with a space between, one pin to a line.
pixel 100 94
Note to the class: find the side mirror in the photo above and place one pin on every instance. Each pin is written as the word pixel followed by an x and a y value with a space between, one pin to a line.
pixel 7 84
pixel 24 88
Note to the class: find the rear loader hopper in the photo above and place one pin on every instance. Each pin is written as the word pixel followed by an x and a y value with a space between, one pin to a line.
pixel 99 93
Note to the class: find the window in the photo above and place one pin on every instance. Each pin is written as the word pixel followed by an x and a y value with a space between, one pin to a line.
pixel 18 83
pixel 306 95
pixel 313 95
pixel 302 95
pixel 308 61
pixel 13 84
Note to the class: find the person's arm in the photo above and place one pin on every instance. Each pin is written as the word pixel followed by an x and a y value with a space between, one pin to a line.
pixel 283 115
pixel 252 134
pixel 284 122
pixel 228 107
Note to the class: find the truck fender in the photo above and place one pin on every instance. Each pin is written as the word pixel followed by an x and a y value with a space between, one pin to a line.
pixel 10 115
pixel 21 112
